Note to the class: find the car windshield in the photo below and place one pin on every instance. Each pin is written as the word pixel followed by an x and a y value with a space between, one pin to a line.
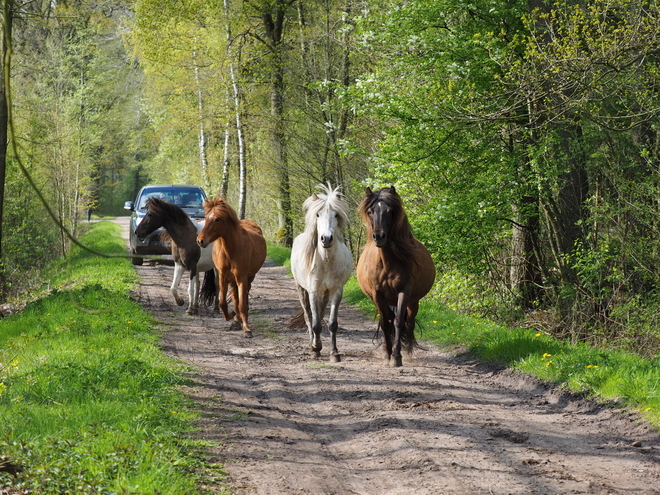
pixel 182 198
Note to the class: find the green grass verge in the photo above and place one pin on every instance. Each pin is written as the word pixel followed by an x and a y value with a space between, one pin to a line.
pixel 88 402
pixel 279 254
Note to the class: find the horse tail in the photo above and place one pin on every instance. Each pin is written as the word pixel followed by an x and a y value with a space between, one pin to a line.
pixel 208 290
pixel 297 320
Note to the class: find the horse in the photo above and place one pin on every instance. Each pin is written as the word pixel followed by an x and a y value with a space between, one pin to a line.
pixel 321 264
pixel 239 251
pixel 395 270
pixel 187 255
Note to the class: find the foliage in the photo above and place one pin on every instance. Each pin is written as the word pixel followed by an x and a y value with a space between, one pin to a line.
pixel 89 403
pixel 525 144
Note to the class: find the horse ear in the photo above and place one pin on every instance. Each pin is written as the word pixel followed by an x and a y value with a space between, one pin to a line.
pixel 367 191
pixel 392 190
pixel 314 197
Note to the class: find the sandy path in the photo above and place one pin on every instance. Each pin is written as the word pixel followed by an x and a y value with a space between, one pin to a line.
pixel 289 424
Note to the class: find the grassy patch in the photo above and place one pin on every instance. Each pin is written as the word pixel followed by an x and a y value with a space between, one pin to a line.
pixel 279 254
pixel 88 402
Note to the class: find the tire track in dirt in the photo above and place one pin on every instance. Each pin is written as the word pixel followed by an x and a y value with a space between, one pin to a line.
pixel 286 423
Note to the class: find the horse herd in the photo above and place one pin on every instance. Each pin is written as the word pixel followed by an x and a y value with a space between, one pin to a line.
pixel 395 270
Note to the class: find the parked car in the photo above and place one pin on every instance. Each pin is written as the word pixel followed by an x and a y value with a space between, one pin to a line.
pixel 190 198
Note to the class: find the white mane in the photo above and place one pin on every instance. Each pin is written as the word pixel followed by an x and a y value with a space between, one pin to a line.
pixel 330 199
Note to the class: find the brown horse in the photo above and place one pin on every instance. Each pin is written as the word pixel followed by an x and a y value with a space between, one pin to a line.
pixel 395 270
pixel 238 253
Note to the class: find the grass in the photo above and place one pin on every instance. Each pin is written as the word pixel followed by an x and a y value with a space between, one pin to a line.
pixel 88 402
pixel 279 254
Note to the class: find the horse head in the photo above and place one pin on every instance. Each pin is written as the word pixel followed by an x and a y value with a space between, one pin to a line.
pixel 326 211
pixel 152 220
pixel 221 219
pixel 382 211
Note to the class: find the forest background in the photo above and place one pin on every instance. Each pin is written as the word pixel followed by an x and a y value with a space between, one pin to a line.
pixel 522 135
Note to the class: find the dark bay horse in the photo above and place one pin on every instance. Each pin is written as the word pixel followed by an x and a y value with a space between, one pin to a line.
pixel 395 270
pixel 182 232
pixel 321 264
pixel 239 251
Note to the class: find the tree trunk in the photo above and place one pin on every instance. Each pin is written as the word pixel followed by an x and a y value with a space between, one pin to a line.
pixel 201 138
pixel 242 167
pixel 274 25
pixel 7 18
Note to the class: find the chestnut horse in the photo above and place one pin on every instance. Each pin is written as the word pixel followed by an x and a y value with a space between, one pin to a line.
pixel 187 255
pixel 395 270
pixel 321 264
pixel 239 250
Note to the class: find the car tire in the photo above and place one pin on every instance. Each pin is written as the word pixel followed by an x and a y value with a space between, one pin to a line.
pixel 135 260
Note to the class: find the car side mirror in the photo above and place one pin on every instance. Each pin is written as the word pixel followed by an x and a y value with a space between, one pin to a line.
pixel 128 205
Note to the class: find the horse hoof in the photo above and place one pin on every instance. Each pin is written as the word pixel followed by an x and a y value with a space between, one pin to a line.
pixel 180 302
pixel 335 358
pixel 396 362
pixel 315 354
pixel 248 334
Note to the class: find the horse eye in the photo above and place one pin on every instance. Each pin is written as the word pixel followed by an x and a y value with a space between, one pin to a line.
pixel 318 213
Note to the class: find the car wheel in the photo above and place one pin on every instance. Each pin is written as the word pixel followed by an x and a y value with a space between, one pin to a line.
pixel 135 260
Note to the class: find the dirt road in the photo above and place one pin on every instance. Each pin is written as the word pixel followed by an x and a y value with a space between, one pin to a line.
pixel 290 424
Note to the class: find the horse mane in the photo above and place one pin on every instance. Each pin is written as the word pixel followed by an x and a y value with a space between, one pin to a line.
pixel 327 198
pixel 164 209
pixel 401 241
pixel 218 207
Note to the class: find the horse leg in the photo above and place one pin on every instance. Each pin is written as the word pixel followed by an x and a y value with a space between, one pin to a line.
pixel 216 274
pixel 316 309
pixel 335 357
pixel 241 290
pixel 411 315
pixel 222 298
pixel 399 328
pixel 193 293
pixel 178 273
pixel 306 303
pixel 235 300
pixel 385 323
pixel 303 296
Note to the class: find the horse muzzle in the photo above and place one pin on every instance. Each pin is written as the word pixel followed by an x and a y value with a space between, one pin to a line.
pixel 326 241
pixel 380 239
pixel 201 242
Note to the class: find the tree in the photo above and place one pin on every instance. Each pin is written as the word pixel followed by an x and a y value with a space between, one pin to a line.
pixel 7 25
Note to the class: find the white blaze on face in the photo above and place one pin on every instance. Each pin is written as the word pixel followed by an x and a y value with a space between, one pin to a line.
pixel 326 223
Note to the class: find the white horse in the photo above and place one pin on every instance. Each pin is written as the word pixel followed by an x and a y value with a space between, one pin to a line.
pixel 321 263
